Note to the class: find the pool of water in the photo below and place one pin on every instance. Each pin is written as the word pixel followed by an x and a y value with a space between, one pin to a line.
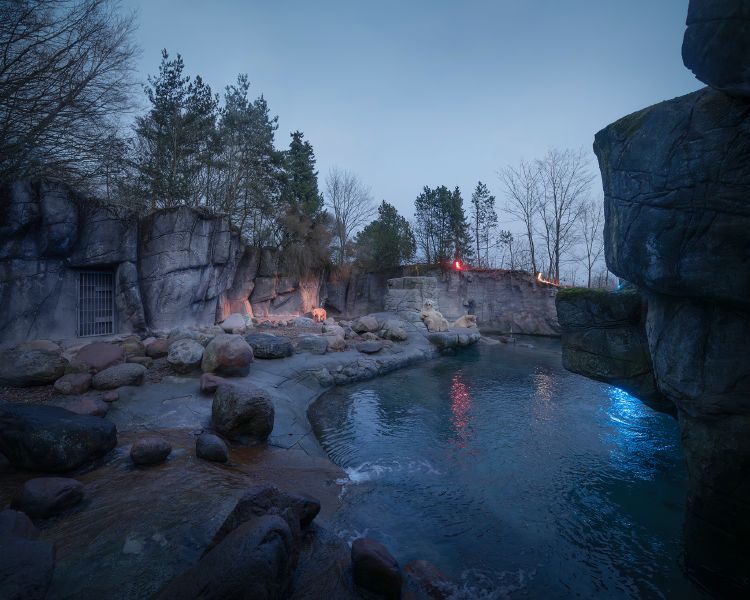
pixel 515 477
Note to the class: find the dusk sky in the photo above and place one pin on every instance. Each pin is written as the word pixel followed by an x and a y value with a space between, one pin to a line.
pixel 407 94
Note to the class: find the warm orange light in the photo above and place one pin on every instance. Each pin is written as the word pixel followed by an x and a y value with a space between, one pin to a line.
pixel 540 279
pixel 458 265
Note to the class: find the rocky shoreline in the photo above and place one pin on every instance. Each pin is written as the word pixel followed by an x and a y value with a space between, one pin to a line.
pixel 155 501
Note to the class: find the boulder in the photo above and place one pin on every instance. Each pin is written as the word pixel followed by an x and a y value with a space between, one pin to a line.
pixel 333 329
pixel 96 357
pixel 374 569
pixel 150 450
pixel 48 496
pixel 366 323
pixel 26 564
pixel 336 343
pixel 50 438
pixel 370 347
pixel 158 348
pixel 146 361
pixel 111 396
pixel 716 46
pixel 85 405
pixel 245 411
pixel 394 330
pixel 256 560
pixel 211 447
pixel 429 580
pixel 299 510
pixel 304 322
pixel 676 182
pixel 118 376
pixel 210 383
pixel 32 366
pixel 73 383
pixel 185 355
pixel 265 345
pixel 227 355
pixel 234 323
pixel 133 347
pixel 314 344
pixel 604 338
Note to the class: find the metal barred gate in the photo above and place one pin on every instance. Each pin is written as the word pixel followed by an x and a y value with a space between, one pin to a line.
pixel 96 310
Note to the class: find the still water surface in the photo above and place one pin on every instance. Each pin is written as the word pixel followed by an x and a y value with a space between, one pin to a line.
pixel 515 477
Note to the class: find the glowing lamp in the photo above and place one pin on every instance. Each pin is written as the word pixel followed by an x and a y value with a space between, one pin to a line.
pixel 457 265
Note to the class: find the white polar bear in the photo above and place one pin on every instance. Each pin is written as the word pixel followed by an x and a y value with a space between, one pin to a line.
pixel 466 322
pixel 433 320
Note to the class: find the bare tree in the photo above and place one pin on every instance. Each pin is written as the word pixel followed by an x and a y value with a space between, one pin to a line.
pixel 65 80
pixel 591 222
pixel 565 181
pixel 351 204
pixel 522 189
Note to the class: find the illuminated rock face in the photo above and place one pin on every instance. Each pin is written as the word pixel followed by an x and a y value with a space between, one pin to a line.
pixel 677 207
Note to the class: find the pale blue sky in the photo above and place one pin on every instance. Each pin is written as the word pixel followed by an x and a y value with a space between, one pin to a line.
pixel 414 93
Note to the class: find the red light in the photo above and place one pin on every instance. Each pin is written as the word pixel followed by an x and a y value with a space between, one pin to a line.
pixel 458 265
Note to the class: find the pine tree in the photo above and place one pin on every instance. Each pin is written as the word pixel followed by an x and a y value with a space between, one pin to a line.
pixel 301 193
pixel 442 230
pixel 174 141
pixel 387 242
pixel 484 222
pixel 252 168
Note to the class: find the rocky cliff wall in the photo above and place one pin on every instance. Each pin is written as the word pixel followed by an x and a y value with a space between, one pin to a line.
pixel 677 211
pixel 501 300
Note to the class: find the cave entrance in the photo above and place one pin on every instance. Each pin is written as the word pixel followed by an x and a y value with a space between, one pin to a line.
pixel 96 303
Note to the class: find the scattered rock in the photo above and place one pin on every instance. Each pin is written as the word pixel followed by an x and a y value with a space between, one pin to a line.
pixel 32 366
pixel 336 343
pixel 429 580
pixel 96 357
pixel 304 322
pixel 73 383
pixel 150 450
pixel 265 345
pixel 52 439
pixel 185 355
pixel 314 344
pixel 158 348
pixel 370 337
pixel 211 447
pixel 393 330
pixel 48 496
pixel 256 560
pixel 210 383
pixel 184 333
pixel 227 355
pixel 146 361
pixel 365 324
pixel 133 347
pixel 234 323
pixel 16 523
pixel 118 376
pixel 299 510
pixel 111 396
pixel 86 405
pixel 246 411
pixel 26 564
pixel 374 569
pixel 370 347
pixel 333 329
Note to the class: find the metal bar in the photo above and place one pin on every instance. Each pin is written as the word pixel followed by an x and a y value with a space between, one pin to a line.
pixel 95 303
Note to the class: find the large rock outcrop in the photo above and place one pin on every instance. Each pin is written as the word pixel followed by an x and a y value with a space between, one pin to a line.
pixel 677 208
pixel 604 338
pixel 187 261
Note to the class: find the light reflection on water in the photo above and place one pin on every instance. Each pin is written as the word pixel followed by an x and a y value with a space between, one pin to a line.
pixel 514 476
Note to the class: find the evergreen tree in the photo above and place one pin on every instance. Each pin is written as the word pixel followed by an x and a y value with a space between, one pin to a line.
pixel 387 242
pixel 484 222
pixel 251 168
pixel 174 141
pixel 301 193
pixel 442 230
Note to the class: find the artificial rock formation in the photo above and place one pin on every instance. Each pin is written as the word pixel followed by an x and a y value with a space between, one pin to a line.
pixel 677 182
pixel 604 338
